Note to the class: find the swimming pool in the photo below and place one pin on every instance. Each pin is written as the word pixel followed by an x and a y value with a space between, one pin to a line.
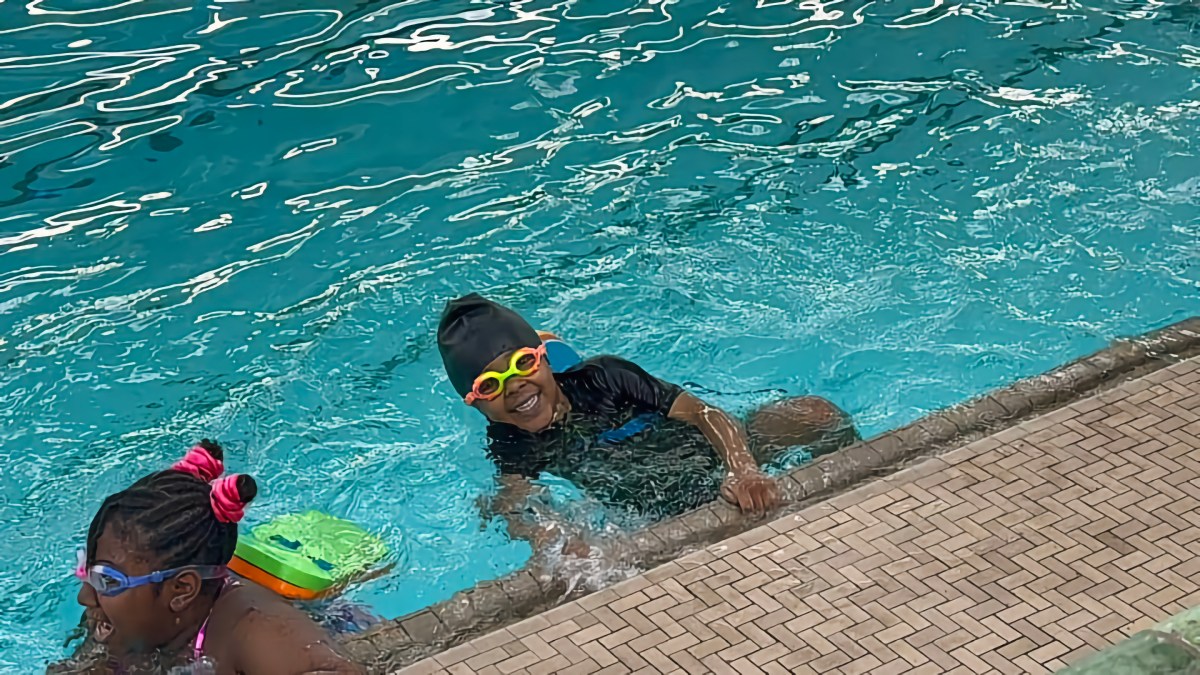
pixel 241 220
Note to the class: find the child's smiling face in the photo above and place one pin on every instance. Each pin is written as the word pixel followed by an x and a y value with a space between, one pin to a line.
pixel 527 402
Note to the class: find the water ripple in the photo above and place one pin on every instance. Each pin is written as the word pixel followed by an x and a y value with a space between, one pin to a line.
pixel 241 220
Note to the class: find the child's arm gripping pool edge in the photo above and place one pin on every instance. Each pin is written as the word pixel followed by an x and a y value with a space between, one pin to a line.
pixel 745 485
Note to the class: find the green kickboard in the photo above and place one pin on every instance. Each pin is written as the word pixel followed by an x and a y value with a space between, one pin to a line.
pixel 314 551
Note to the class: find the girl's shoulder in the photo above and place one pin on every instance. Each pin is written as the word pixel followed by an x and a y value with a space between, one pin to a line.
pixel 243 603
pixel 252 626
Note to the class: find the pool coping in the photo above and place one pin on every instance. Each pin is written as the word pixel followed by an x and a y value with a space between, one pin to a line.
pixel 495 604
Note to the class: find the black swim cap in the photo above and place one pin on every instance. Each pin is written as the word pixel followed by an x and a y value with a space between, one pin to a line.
pixel 473 332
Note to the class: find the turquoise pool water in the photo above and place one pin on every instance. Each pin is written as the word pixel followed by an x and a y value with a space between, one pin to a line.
pixel 241 219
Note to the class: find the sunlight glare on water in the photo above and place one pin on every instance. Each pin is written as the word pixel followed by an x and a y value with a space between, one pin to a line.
pixel 240 220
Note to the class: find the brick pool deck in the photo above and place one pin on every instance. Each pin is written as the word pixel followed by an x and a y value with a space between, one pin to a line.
pixel 1018 553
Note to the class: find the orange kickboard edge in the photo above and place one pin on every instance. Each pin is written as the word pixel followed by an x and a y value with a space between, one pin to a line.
pixel 266 580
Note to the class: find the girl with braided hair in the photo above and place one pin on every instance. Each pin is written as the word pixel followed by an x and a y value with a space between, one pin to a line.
pixel 158 593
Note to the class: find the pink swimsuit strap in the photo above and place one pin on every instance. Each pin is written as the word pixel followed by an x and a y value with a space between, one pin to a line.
pixel 198 646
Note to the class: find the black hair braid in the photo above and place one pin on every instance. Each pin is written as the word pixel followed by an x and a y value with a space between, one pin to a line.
pixel 169 513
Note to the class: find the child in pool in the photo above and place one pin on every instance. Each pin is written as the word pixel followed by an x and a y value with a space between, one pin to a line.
pixel 157 591
pixel 627 439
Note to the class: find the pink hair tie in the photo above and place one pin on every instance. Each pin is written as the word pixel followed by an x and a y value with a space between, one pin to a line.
pixel 226 500
pixel 200 463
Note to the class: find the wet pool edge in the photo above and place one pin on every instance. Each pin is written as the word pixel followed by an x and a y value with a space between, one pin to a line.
pixel 492 605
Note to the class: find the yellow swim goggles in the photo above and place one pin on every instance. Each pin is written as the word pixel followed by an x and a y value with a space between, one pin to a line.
pixel 489 385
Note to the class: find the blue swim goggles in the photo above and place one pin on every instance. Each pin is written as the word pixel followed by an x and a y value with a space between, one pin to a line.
pixel 109 582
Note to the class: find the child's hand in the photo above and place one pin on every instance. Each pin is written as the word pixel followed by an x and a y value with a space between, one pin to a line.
pixel 751 490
